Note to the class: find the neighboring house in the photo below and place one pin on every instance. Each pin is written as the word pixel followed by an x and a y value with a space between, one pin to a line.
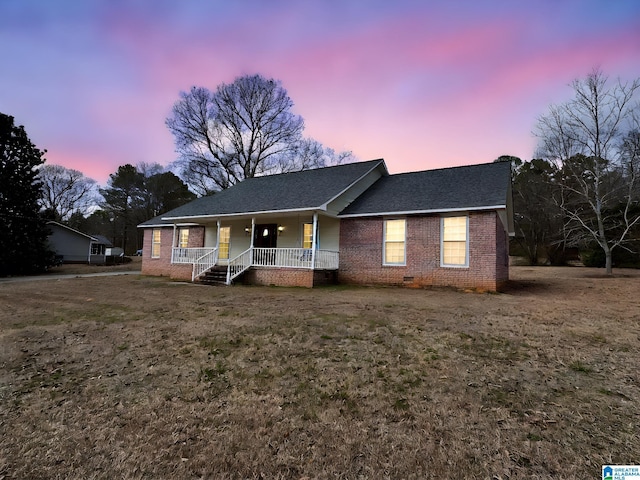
pixel 352 223
pixel 77 247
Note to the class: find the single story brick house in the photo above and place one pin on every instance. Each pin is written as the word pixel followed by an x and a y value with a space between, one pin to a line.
pixel 352 223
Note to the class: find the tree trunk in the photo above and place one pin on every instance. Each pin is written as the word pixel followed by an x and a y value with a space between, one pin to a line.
pixel 608 262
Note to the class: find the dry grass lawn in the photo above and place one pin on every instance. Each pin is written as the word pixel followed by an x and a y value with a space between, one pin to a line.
pixel 142 378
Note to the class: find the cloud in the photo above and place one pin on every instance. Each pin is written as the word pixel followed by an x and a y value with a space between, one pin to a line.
pixel 421 84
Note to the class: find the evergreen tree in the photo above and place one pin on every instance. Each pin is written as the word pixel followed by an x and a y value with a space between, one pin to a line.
pixel 23 236
pixel 121 197
pixel 134 195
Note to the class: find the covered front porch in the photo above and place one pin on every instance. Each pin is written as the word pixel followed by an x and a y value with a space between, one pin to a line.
pixel 278 250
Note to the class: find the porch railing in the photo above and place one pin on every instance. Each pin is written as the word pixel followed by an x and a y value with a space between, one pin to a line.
pixel 327 260
pixel 239 264
pixel 204 259
pixel 204 263
pixel 294 258
pixel 188 255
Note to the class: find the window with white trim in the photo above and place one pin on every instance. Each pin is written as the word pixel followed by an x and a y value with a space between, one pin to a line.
pixel 223 244
pixel 183 237
pixel 394 242
pixel 454 250
pixel 307 235
pixel 155 243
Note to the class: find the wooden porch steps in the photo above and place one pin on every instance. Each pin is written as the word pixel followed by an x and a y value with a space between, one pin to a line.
pixel 216 276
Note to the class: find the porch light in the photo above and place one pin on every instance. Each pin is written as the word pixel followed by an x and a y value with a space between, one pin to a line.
pixel 280 229
pixel 247 231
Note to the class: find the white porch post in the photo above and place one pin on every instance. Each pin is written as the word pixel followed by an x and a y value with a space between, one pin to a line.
pixel 173 241
pixel 253 226
pixel 218 236
pixel 314 240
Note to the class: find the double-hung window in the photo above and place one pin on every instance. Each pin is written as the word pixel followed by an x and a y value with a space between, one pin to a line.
pixel 183 237
pixel 394 242
pixel 155 243
pixel 454 251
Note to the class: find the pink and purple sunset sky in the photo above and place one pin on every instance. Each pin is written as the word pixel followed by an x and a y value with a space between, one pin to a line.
pixel 422 84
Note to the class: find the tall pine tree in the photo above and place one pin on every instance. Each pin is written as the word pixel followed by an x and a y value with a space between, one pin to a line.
pixel 120 199
pixel 23 236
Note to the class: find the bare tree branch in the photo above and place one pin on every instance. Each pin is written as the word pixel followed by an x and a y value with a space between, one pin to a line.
pixel 66 191
pixel 243 129
pixel 596 164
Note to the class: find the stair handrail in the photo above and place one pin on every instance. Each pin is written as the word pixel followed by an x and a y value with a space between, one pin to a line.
pixel 239 265
pixel 204 263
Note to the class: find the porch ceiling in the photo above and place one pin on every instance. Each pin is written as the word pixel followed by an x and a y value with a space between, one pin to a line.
pixel 261 217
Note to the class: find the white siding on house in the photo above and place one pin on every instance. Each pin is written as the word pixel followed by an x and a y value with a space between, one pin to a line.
pixel 240 240
pixel 290 236
pixel 329 233
pixel 210 234
pixel 341 202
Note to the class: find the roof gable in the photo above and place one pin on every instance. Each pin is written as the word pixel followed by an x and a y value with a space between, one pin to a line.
pixel 72 230
pixel 449 189
pixel 304 190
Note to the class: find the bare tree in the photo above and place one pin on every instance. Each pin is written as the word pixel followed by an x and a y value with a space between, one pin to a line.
pixel 308 154
pixel 242 130
pixel 585 139
pixel 66 191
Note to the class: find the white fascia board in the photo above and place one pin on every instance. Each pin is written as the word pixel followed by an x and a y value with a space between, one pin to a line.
pixel 160 225
pixel 248 214
pixel 418 212
pixel 156 225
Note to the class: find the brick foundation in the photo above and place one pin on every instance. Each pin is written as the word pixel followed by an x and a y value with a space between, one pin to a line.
pixel 288 277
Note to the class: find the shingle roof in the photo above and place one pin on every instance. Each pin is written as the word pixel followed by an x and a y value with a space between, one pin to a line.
pixel 103 240
pixel 469 187
pixel 308 189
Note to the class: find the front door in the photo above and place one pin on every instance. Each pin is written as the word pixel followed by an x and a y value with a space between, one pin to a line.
pixel 265 235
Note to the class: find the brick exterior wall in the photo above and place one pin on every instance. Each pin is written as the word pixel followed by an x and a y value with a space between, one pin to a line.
pixel 281 277
pixel 361 257
pixel 162 266
pixel 361 254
